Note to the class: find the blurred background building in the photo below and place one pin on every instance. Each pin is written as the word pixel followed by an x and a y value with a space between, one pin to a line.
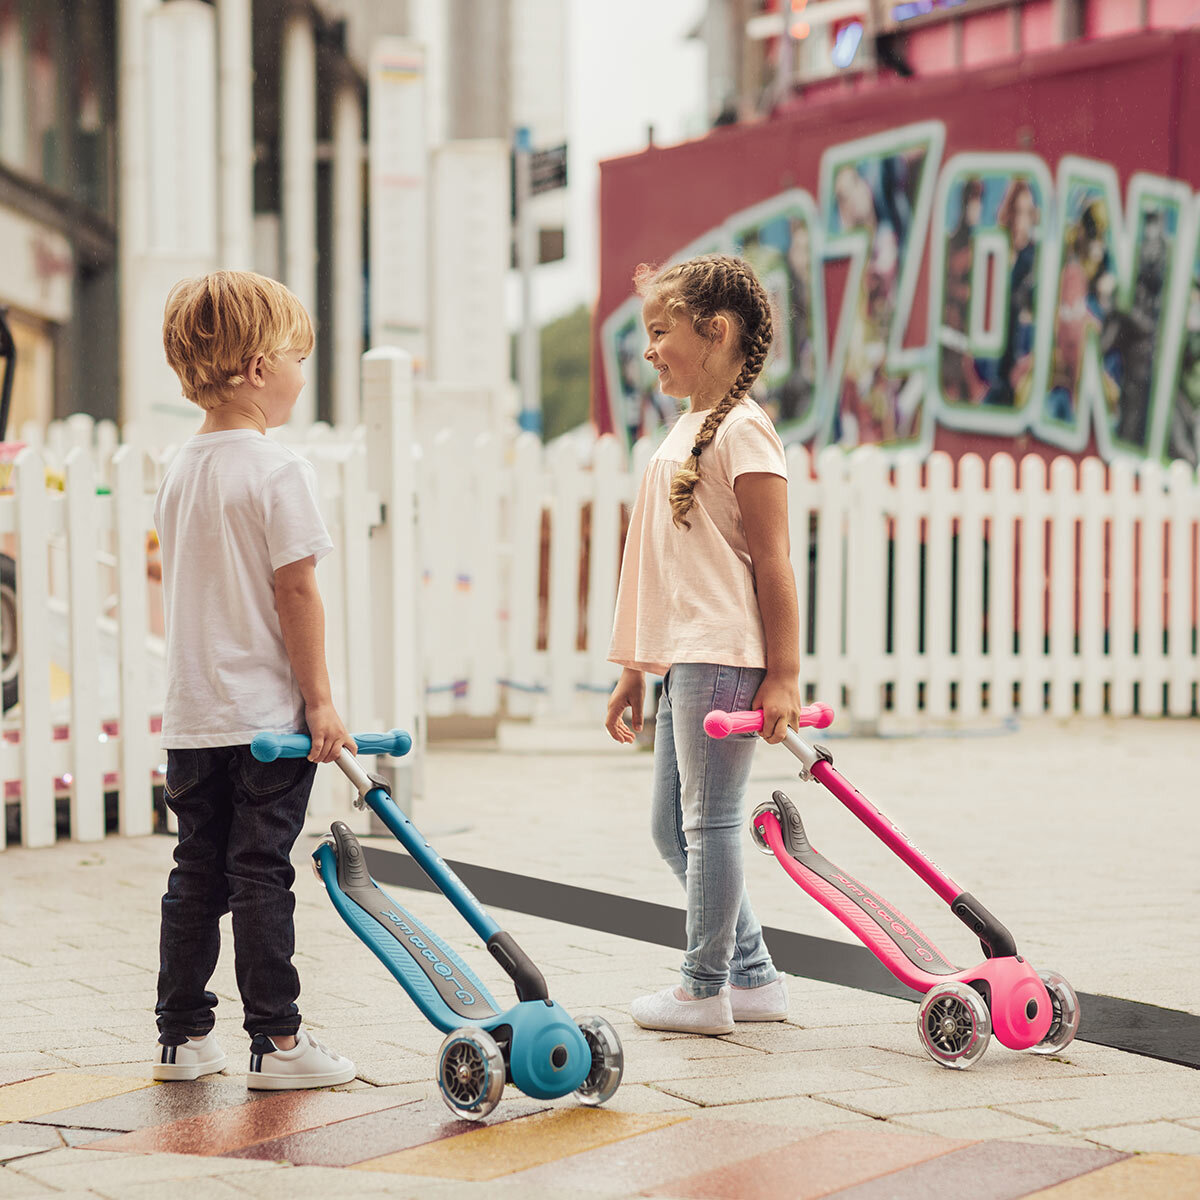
pixel 145 140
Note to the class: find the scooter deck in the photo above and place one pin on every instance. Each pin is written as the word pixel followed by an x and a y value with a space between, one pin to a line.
pixel 439 982
pixel 880 926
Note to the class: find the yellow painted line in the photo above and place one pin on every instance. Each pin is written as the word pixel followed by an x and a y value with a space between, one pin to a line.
pixel 517 1145
pixel 61 1089
pixel 1163 1176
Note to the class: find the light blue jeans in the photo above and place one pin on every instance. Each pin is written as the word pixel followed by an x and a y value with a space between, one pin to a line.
pixel 696 820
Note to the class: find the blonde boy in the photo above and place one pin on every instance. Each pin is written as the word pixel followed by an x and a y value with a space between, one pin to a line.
pixel 241 532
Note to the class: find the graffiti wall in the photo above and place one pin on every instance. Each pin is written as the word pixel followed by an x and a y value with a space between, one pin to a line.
pixel 969 263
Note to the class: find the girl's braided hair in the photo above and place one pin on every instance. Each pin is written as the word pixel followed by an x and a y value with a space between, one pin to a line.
pixel 700 288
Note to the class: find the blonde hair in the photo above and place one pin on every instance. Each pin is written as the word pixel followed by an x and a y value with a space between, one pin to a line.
pixel 700 288
pixel 215 325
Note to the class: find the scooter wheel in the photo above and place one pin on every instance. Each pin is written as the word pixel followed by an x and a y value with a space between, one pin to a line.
pixel 760 842
pixel 470 1073
pixel 608 1061
pixel 954 1024
pixel 1064 1020
pixel 327 840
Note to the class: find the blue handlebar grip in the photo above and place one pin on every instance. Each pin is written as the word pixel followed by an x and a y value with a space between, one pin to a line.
pixel 396 743
pixel 267 747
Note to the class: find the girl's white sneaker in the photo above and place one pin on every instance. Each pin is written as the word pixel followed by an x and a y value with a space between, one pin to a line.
pixel 307 1065
pixel 767 1002
pixel 195 1057
pixel 664 1010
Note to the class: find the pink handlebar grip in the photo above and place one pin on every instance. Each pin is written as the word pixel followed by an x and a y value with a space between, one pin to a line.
pixel 720 724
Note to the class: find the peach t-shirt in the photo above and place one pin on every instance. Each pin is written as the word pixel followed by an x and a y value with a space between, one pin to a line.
pixel 687 595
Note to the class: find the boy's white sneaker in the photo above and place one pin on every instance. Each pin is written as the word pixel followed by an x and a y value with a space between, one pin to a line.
pixel 195 1057
pixel 307 1065
pixel 767 1002
pixel 664 1010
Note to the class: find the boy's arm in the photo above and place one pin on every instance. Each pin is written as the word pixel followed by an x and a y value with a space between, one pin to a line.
pixel 302 620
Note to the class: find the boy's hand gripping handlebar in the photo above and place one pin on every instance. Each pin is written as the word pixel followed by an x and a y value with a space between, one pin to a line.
pixel 720 724
pixel 267 747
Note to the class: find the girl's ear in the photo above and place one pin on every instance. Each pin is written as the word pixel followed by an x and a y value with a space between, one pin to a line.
pixel 719 328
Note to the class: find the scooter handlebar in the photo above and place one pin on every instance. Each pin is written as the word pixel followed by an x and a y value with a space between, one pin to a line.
pixel 719 724
pixel 267 747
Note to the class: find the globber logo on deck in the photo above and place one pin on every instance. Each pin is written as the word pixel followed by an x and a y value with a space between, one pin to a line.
pixel 440 967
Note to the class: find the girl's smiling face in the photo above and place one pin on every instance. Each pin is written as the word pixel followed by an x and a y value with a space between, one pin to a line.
pixel 686 362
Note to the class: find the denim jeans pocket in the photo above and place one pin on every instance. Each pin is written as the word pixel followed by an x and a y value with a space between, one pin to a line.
pixel 263 780
pixel 183 773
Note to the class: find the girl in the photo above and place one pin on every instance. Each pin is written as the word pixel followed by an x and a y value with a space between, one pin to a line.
pixel 707 599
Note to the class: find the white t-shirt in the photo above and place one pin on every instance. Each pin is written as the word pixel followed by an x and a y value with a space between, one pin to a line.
pixel 688 595
pixel 233 508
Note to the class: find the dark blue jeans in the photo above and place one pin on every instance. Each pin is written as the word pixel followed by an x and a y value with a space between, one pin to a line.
pixel 238 822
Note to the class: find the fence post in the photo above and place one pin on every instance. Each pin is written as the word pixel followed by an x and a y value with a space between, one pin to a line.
pixel 1032 477
pixel 970 587
pixel 388 415
pixel 37 792
pixel 1181 665
pixel 866 586
pixel 939 583
pixel 1093 513
pixel 563 612
pixel 1063 503
pixel 610 485
pixel 135 808
pixel 483 695
pixel 87 776
pixel 1002 583
pixel 521 656
pixel 1152 669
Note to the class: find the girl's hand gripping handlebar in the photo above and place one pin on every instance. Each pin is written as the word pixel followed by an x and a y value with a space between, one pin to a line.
pixel 719 724
pixel 267 747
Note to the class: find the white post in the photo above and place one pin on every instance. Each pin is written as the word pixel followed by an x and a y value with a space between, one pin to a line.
pixel 387 413
pixel 529 367
pixel 236 133
pixel 347 255
pixel 131 185
pixel 298 158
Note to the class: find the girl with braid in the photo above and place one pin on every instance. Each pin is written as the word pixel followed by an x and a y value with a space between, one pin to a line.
pixel 707 600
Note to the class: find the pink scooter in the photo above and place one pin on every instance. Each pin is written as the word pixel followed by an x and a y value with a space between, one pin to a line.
pixel 1026 1009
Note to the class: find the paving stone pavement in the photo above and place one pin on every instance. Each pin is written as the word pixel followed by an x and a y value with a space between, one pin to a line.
pixel 1079 835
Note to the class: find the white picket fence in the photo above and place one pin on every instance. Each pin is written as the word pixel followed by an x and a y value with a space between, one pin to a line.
pixel 477 576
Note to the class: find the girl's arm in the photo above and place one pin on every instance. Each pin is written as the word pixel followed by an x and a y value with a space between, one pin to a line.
pixel 762 499
pixel 630 693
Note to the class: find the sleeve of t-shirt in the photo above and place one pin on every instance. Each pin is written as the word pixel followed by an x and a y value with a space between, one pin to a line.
pixel 752 446
pixel 292 515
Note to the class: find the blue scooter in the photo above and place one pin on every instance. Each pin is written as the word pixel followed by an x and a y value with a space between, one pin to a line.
pixel 535 1044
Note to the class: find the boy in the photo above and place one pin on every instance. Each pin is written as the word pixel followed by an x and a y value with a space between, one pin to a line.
pixel 241 534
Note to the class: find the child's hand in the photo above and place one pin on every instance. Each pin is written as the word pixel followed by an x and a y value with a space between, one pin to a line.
pixel 779 698
pixel 327 732
pixel 630 693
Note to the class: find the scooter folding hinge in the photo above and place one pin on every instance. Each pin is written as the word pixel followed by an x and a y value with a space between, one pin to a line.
pixel 376 781
pixel 823 755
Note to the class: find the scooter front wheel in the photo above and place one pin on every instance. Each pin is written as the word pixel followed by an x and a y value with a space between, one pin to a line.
pixel 608 1061
pixel 470 1073
pixel 1064 1019
pixel 955 1025
pixel 760 842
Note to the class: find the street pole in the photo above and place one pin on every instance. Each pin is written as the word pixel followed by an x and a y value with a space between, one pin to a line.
pixel 529 372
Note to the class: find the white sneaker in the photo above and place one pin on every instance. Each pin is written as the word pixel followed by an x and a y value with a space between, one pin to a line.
pixel 307 1065
pixel 664 1010
pixel 195 1057
pixel 767 1002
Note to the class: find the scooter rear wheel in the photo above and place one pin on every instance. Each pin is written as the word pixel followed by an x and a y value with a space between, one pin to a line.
pixel 1064 1020
pixel 954 1024
pixel 470 1073
pixel 760 842
pixel 608 1061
